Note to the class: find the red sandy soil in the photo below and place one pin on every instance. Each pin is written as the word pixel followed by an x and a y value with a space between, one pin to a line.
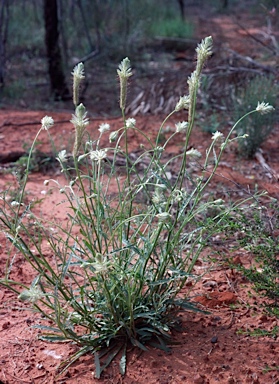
pixel 209 348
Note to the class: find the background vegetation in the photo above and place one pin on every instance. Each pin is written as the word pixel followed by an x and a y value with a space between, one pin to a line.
pixel 89 33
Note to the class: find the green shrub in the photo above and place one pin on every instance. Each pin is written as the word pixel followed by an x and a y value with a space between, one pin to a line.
pixel 256 127
pixel 134 231
pixel 255 229
pixel 172 27
pixel 24 17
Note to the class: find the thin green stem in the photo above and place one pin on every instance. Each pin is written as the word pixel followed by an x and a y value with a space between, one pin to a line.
pixel 88 210
pixel 23 187
pixel 162 126
pixel 128 170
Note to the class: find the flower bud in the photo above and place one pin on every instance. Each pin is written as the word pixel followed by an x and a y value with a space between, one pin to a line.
pixel 113 136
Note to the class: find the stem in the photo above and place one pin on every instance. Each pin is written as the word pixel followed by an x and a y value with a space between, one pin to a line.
pixel 26 176
pixel 192 113
pixel 88 210
pixel 127 172
pixel 224 145
pixel 161 127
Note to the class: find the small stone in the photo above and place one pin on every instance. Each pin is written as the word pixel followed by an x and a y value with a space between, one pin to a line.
pixel 198 379
pixel 237 261
pixel 263 319
pixel 154 364
pixel 6 325
pixel 214 339
pixel 216 318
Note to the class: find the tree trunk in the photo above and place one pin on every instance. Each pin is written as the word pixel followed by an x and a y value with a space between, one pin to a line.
pixel 55 67
pixel 181 7
pixel 4 19
pixel 225 3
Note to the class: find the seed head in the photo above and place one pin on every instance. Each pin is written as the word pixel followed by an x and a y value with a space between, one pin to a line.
pixel 104 127
pixel 164 216
pixel 181 126
pixel 78 76
pixel 158 197
pixel 62 156
pixel 78 71
pixel 264 108
pixel 32 295
pixel 80 122
pixel 193 83
pixel 47 122
pixel 98 155
pixel 124 72
pixel 100 265
pixel 14 203
pixel 183 103
pixel 177 195
pixel 131 122
pixel 159 149
pixel 194 153
pixel 217 136
pixel 204 49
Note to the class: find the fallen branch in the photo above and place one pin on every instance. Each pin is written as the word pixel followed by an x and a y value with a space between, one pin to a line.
pixel 270 172
pixel 90 56
pixel 8 123
pixel 251 61
pixel 274 52
pixel 229 68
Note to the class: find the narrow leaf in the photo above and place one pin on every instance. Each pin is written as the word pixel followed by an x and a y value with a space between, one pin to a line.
pixel 54 339
pixel 123 361
pixel 98 370
pixel 137 343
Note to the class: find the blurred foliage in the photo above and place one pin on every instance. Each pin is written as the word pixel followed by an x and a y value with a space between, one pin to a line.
pixel 87 25
pixel 26 18
pixel 107 30
pixel 98 32
pixel 260 88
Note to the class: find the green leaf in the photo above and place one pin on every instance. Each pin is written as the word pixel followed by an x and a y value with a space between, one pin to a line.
pixel 123 361
pixel 161 346
pixel 145 331
pixel 75 357
pixel 186 304
pixel 66 267
pixel 53 339
pixel 99 369
pixel 46 328
pixel 138 344
pixel 159 282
